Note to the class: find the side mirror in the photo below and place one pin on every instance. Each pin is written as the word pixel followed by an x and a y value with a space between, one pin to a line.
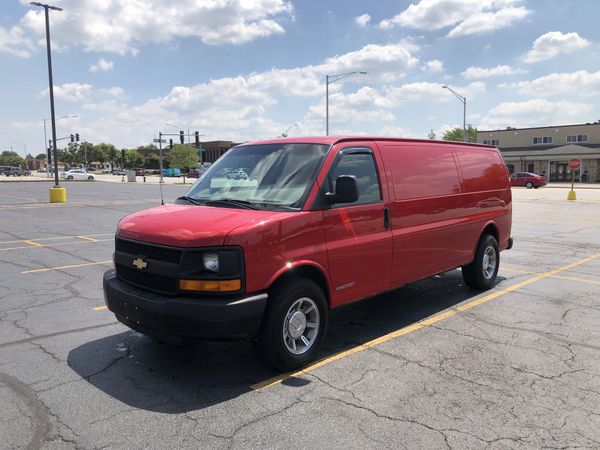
pixel 346 190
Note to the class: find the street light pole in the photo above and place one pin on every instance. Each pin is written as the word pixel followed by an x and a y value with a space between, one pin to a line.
pixel 51 85
pixel 464 102
pixel 333 79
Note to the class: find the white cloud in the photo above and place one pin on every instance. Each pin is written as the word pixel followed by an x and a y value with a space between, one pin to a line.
pixel 481 72
pixel 535 112
pixel 15 41
pixel 362 21
pixel 553 43
pixel 121 26
pixel 582 83
pixel 102 66
pixel 71 91
pixel 466 16
pixel 433 66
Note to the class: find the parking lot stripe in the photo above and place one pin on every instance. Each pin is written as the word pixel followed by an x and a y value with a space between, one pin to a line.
pixel 35 244
pixel 62 244
pixel 78 204
pixel 86 238
pixel 419 325
pixel 54 238
pixel 100 308
pixel 72 266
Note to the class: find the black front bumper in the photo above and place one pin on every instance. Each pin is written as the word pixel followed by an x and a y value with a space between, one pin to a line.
pixel 174 318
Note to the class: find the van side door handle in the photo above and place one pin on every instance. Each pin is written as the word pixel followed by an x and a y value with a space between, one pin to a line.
pixel 386 217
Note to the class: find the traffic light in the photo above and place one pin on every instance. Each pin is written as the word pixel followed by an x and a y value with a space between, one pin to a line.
pixel 171 144
pixel 49 154
pixel 76 137
pixel 197 137
pixel 181 138
pixel 72 137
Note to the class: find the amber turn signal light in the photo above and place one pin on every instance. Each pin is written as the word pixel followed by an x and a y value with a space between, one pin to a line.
pixel 210 285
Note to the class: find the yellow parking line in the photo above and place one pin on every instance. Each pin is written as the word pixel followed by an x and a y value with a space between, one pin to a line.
pixel 100 308
pixel 579 280
pixel 418 325
pixel 53 238
pixel 72 266
pixel 62 244
pixel 35 244
pixel 86 238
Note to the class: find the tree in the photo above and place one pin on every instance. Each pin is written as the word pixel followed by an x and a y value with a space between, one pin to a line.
pixel 184 157
pixel 456 134
pixel 431 134
pixel 133 158
pixel 10 158
pixel 151 161
pixel 109 153
pixel 41 156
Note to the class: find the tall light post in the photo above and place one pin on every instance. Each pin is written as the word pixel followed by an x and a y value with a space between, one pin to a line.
pixel 464 102
pixel 57 196
pixel 24 146
pixel 46 138
pixel 333 79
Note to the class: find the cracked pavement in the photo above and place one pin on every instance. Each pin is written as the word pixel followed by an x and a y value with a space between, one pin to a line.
pixel 519 371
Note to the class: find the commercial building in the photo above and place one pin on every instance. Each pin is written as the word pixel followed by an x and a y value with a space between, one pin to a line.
pixel 211 150
pixel 547 150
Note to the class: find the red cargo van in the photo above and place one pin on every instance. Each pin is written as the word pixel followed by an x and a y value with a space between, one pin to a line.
pixel 277 232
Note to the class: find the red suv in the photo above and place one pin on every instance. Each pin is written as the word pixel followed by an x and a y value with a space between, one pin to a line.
pixel 277 233
pixel 527 179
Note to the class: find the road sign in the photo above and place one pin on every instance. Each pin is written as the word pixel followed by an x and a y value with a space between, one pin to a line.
pixel 162 141
pixel 574 164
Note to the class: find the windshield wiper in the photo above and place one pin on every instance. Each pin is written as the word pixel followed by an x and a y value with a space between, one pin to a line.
pixel 191 200
pixel 231 201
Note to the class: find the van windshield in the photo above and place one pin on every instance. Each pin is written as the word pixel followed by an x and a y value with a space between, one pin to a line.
pixel 268 176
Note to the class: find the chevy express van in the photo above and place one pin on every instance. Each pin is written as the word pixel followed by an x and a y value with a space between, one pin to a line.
pixel 278 232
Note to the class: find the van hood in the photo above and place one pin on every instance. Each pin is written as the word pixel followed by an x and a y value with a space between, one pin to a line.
pixel 186 225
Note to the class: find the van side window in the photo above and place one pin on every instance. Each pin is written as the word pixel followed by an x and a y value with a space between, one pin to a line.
pixel 362 166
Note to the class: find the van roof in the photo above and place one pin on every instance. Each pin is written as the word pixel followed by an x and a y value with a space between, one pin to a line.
pixel 331 140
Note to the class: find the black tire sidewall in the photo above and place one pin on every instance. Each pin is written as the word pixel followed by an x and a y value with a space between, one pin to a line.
pixel 270 344
pixel 484 243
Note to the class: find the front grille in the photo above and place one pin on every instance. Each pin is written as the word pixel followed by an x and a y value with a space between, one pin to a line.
pixel 158 253
pixel 166 285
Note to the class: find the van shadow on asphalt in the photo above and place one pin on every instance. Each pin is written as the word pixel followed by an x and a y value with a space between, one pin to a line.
pixel 147 374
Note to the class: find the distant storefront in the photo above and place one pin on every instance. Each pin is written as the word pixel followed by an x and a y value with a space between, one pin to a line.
pixel 547 150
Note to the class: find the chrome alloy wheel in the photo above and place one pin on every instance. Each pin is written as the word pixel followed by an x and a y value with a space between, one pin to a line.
pixel 301 326
pixel 489 262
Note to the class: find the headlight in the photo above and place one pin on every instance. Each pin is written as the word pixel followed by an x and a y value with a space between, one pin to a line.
pixel 210 261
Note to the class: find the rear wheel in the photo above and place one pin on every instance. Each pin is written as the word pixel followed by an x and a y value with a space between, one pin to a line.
pixel 90 177
pixel 529 185
pixel 482 272
pixel 294 325
pixel 70 177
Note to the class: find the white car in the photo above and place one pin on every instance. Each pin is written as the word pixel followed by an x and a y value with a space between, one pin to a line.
pixel 77 174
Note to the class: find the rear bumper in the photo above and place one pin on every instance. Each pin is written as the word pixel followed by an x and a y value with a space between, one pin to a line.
pixel 174 318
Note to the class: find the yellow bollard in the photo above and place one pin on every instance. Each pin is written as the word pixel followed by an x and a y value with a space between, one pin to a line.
pixel 58 195
pixel 571 195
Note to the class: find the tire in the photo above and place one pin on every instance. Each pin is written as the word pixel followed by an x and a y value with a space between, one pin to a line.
pixel 481 273
pixel 529 185
pixel 90 178
pixel 70 177
pixel 281 341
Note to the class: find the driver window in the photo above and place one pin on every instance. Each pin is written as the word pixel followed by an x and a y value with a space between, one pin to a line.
pixel 361 166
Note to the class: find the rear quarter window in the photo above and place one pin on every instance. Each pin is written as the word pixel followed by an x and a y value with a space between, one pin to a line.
pixel 482 169
pixel 420 171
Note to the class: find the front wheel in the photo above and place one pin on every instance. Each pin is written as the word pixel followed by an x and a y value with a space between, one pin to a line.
pixel 482 272
pixel 294 325
pixel 90 178
pixel 70 177
pixel 529 185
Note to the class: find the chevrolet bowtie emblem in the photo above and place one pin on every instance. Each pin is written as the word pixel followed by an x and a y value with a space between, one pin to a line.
pixel 140 263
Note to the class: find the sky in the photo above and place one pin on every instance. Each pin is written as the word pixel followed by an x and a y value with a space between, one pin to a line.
pixel 244 70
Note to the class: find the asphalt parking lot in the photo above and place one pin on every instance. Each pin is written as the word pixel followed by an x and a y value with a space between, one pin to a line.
pixel 430 365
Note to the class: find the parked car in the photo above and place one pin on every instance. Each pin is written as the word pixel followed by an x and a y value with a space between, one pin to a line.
pixel 15 172
pixel 194 173
pixel 139 172
pixel 318 223
pixel 172 172
pixel 527 179
pixel 91 169
pixel 77 174
pixel 119 172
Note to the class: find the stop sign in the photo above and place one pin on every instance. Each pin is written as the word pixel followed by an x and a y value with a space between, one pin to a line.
pixel 574 164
